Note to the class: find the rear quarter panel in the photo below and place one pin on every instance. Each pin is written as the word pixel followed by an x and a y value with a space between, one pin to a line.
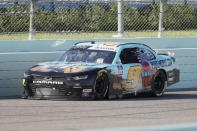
pixel 172 70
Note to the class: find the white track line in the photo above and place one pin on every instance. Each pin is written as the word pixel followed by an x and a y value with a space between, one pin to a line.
pixel 53 52
pixel 16 53
pixel 177 49
pixel 173 127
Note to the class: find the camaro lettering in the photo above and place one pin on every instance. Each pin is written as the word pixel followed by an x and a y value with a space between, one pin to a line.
pixel 48 82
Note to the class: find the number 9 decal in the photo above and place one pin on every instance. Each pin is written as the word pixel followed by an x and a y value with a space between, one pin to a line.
pixel 133 76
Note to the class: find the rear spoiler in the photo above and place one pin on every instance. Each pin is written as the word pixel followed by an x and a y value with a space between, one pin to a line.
pixel 160 52
pixel 171 54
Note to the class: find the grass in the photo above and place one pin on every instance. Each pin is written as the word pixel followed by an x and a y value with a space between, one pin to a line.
pixel 130 34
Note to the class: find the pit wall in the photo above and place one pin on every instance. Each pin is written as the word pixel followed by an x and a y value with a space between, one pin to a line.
pixel 17 56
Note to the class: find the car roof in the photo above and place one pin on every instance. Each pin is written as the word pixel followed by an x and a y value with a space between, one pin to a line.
pixel 112 44
pixel 98 43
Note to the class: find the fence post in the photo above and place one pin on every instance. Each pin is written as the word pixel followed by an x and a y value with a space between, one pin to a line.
pixel 161 18
pixel 31 23
pixel 185 2
pixel 52 6
pixel 120 19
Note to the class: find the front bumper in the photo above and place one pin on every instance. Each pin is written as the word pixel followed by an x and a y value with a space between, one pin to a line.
pixel 69 89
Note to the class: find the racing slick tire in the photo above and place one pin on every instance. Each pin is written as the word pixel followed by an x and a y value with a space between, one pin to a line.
pixel 159 83
pixel 26 94
pixel 101 87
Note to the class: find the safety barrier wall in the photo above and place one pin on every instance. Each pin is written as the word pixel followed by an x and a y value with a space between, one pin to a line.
pixel 17 56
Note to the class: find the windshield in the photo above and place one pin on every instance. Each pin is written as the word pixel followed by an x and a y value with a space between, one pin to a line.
pixel 88 56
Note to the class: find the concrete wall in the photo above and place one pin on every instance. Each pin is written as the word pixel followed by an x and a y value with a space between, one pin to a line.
pixel 17 56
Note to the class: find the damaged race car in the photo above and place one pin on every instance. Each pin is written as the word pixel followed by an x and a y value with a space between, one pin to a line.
pixel 102 70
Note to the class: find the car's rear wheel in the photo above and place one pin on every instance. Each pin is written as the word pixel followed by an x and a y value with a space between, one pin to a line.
pixel 159 83
pixel 101 86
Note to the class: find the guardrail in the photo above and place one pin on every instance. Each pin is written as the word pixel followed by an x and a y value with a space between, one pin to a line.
pixel 17 56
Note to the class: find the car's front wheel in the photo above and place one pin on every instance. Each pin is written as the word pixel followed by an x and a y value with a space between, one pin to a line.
pixel 26 93
pixel 101 86
pixel 159 83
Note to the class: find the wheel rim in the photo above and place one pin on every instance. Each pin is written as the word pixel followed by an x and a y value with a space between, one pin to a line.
pixel 100 85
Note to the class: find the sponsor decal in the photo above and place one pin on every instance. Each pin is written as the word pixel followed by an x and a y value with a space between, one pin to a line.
pixel 120 70
pixel 73 69
pixel 133 76
pixel 161 63
pixel 81 47
pixel 40 68
pixel 171 77
pixel 171 74
pixel 77 87
pixel 67 70
pixel 112 43
pixel 99 60
pixel 146 74
pixel 85 94
pixel 87 90
pixel 77 69
pixel 62 66
pixel 105 48
pixel 48 82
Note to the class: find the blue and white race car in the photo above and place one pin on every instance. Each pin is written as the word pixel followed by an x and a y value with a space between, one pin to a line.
pixel 101 70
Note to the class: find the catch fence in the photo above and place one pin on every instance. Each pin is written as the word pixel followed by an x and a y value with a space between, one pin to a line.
pixel 81 19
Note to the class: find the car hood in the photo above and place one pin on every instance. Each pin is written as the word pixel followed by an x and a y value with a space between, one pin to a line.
pixel 65 67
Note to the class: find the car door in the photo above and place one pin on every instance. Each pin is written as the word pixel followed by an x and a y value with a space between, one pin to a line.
pixel 147 72
pixel 131 65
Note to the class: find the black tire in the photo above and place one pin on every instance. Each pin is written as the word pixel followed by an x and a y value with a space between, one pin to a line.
pixel 101 86
pixel 159 83
pixel 25 94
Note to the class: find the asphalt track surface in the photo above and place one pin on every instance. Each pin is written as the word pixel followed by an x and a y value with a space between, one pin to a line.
pixel 175 107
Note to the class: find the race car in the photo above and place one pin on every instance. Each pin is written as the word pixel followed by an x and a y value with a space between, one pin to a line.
pixel 102 70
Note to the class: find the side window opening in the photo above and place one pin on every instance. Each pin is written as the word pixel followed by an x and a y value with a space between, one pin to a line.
pixel 129 55
pixel 146 55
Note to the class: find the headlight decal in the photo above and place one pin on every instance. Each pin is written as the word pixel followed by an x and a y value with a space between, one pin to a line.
pixel 23 81
pixel 80 77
